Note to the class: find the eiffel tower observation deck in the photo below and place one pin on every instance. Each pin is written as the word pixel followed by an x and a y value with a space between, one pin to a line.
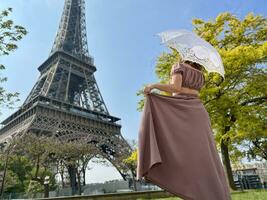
pixel 65 101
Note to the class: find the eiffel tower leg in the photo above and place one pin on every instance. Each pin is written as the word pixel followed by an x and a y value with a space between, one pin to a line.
pixel 114 148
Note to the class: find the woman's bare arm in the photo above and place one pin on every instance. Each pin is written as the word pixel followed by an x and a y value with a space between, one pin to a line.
pixel 174 85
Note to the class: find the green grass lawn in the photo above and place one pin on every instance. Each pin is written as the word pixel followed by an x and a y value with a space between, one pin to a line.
pixel 257 194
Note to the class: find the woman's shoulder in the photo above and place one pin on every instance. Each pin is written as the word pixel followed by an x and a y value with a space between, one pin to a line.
pixel 177 67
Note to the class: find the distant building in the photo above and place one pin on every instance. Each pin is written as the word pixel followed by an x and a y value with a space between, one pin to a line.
pixel 248 176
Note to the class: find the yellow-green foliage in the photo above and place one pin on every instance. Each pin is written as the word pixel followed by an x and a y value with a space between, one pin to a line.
pixel 132 159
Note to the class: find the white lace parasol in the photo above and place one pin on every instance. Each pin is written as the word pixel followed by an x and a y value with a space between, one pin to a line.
pixel 194 48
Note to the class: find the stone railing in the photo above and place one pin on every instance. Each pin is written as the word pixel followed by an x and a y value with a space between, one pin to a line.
pixel 118 196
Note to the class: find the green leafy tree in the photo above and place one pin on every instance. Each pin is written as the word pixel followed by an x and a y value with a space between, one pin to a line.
pixel 236 105
pixel 33 188
pixel 34 156
pixel 38 160
pixel 74 155
pixel 20 167
pixel 11 179
pixel 10 34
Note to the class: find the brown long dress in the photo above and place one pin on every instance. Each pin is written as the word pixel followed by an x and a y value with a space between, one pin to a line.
pixel 176 147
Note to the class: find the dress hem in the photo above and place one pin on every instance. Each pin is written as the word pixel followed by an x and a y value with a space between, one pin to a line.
pixel 168 190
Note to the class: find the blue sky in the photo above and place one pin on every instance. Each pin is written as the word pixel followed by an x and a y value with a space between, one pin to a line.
pixel 121 38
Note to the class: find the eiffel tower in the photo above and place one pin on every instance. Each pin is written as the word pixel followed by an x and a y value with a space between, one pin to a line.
pixel 65 102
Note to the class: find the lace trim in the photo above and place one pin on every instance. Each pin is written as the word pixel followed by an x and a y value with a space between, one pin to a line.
pixel 188 54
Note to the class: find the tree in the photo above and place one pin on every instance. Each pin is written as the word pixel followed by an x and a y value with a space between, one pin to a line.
pixel 74 155
pixel 10 34
pixel 236 105
pixel 44 155
pixel 38 150
pixel 20 167
pixel 10 179
pixel 131 162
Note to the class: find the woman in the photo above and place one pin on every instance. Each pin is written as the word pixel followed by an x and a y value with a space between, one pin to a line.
pixel 176 147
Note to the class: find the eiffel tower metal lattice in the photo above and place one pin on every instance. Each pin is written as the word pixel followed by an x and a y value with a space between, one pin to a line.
pixel 66 102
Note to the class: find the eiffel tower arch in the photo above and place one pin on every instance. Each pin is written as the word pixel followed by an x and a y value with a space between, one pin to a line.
pixel 65 101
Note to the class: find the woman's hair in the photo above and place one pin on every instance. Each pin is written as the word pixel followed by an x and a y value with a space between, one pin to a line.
pixel 193 64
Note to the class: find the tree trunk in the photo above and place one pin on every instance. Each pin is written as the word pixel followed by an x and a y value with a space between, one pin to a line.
pixel 62 179
pixel 46 190
pixel 227 164
pixel 4 176
pixel 62 174
pixel 134 181
pixel 73 182
pixel 83 173
pixel 79 182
